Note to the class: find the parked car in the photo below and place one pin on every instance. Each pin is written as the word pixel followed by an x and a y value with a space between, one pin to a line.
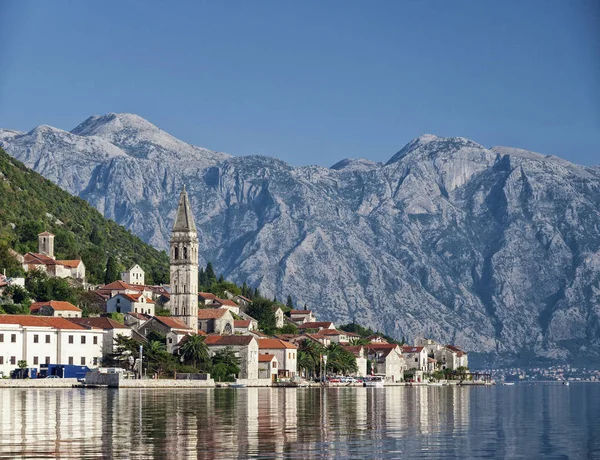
pixel 52 377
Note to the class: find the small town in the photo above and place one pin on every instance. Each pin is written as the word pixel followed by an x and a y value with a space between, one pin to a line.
pixel 176 335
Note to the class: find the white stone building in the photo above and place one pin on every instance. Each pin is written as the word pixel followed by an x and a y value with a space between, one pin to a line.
pixel 286 354
pixel 44 261
pixel 215 321
pixel 135 275
pixel 267 367
pixel 451 357
pixel 110 328
pixel 47 340
pixel 55 308
pixel 415 357
pixel 302 316
pixel 387 360
pixel 130 303
pixel 245 348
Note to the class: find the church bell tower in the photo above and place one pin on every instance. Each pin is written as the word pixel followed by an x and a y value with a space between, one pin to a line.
pixel 184 264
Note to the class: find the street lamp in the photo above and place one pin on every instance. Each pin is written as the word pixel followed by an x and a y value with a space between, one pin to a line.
pixel 325 363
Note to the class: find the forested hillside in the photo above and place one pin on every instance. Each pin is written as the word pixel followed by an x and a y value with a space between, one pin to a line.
pixel 30 204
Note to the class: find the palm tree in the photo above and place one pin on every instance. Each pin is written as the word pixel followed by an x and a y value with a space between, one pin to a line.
pixel 309 356
pixel 195 351
pixel 340 360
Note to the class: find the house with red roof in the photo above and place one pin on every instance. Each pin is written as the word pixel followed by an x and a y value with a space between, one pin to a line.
pixel 55 308
pixel 317 325
pixel 110 327
pixel 285 352
pixel 245 348
pixel 415 357
pixel 242 326
pixel 42 340
pixel 44 261
pixel 131 303
pixel 215 321
pixel 302 316
pixel 386 360
pixel 267 367
pixel 451 357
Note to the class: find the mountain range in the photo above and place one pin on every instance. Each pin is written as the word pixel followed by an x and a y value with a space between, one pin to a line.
pixel 494 249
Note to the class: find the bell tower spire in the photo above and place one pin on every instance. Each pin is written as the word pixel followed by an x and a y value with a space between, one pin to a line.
pixel 184 264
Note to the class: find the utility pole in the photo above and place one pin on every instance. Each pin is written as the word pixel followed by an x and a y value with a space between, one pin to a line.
pixel 141 355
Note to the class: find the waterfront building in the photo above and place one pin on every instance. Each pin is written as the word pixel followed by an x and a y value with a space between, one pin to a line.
pixel 183 256
pixel 451 357
pixel 360 354
pixel 245 347
pixel 174 329
pixel 47 340
pixel 387 360
pixel 110 327
pixel 267 367
pixel 285 352
pixel 415 357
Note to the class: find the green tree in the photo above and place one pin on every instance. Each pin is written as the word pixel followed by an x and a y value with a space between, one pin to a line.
pixel 261 310
pixel 195 352
pixel 309 357
pixel 288 328
pixel 22 364
pixel 209 272
pixel 340 360
pixel 112 270
pixel 225 365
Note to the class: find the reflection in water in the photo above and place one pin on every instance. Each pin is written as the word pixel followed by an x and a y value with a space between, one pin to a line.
pixel 418 422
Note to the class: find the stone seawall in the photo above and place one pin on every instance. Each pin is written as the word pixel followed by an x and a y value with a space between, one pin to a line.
pixel 117 381
pixel 38 383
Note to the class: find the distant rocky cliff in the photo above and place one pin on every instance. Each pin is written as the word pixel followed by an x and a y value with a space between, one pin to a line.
pixel 495 249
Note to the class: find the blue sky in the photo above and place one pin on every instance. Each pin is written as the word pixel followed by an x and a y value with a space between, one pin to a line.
pixel 312 82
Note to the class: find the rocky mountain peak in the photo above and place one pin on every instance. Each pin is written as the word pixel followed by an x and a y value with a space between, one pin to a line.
pixel 429 145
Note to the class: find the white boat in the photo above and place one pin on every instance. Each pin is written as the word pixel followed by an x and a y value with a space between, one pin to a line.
pixel 435 384
pixel 374 382
pixel 508 384
pixel 565 383
pixel 237 385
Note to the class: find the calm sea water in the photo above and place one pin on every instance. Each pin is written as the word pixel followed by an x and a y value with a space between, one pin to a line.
pixel 525 421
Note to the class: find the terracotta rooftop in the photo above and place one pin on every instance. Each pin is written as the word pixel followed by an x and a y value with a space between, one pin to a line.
pixel 173 323
pixel 245 299
pixel 272 344
pixel 227 340
pixel 227 303
pixel 241 323
pixel 45 234
pixel 456 350
pixel 39 321
pixel 409 349
pixel 300 312
pixel 331 332
pixel 57 305
pixel 316 325
pixel 211 313
pixel 98 323
pixel 69 263
pixel 33 258
pixel 207 295
pixel 140 316
pixel 265 358
pixel 120 285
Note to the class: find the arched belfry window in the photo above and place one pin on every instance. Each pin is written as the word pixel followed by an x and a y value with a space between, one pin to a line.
pixel 185 252
pixel 176 253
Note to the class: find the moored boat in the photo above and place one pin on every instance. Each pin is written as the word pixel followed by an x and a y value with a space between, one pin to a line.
pixel 374 382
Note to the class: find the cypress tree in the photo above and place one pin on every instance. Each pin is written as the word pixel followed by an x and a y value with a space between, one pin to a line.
pixel 112 270
pixel 289 303
pixel 210 274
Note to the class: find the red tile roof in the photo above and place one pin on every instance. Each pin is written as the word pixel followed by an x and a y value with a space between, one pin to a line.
pixel 456 350
pixel 316 325
pixel 140 316
pixel 241 323
pixel 98 323
pixel 171 322
pixel 300 312
pixel 57 305
pixel 211 313
pixel 69 263
pixel 207 295
pixel 45 234
pixel 33 258
pixel 120 285
pixel 39 321
pixel 331 332
pixel 227 340
pixel 265 358
pixel 409 349
pixel 272 344
pixel 245 299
